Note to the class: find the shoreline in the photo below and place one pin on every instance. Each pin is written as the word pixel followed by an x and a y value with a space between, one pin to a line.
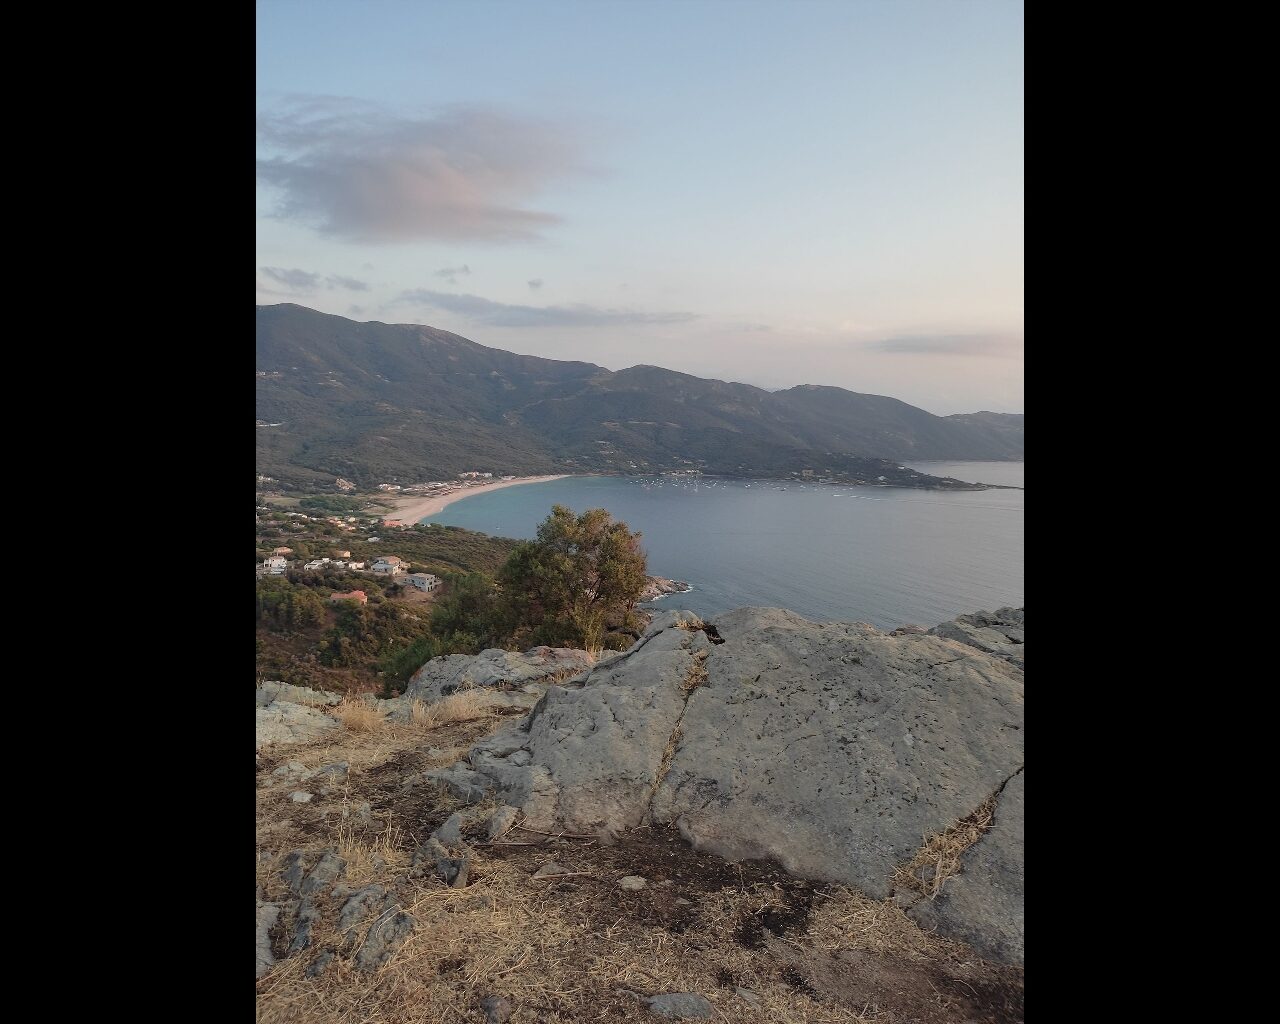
pixel 414 510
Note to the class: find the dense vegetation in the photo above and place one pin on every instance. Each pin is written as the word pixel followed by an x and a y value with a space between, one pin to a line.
pixel 376 403
pixel 575 585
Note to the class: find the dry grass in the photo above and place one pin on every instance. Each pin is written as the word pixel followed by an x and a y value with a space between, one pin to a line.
pixel 697 673
pixel 462 706
pixel 360 716
pixel 369 854
pixel 939 858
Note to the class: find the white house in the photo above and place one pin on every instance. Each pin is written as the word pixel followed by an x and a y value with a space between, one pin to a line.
pixel 388 565
pixel 355 565
pixel 316 563
pixel 424 581
pixel 276 565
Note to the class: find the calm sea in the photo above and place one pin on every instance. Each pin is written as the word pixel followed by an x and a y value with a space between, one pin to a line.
pixel 882 555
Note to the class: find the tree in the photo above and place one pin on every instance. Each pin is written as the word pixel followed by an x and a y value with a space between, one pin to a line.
pixel 581 577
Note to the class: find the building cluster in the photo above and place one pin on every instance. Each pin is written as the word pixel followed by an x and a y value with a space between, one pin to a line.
pixel 276 564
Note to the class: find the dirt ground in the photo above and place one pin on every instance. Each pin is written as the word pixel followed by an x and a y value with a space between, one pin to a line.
pixel 757 943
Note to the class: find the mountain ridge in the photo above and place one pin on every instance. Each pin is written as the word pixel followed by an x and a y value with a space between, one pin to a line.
pixel 375 402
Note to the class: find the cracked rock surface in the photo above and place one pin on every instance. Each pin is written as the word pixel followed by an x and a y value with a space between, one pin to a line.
pixel 831 748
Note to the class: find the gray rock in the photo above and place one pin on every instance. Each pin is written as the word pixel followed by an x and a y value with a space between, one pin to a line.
pixel 494 669
pixel 336 772
pixel 496 1010
pixel 294 770
pixel 450 833
pixel 632 883
pixel 386 935
pixel 502 820
pixel 467 785
pixel 270 692
pixel 999 632
pixel 681 1006
pixel 748 995
pixel 294 870
pixel 301 797
pixel 908 629
pixel 359 906
pixel 308 914
pixel 983 904
pixel 328 870
pixel 550 868
pixel 282 723
pixel 831 748
pixel 268 913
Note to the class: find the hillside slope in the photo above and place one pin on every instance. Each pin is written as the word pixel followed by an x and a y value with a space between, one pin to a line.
pixel 377 402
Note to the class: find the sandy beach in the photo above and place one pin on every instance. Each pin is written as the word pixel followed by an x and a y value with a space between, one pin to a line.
pixel 411 510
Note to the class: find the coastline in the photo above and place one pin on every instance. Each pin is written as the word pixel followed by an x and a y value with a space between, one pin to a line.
pixel 413 510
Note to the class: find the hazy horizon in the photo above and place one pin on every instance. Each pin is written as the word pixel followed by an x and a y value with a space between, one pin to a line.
pixel 774 194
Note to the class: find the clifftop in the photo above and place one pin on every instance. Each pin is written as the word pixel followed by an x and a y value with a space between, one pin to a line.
pixel 677 810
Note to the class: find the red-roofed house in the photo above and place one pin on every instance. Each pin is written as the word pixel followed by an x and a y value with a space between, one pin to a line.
pixel 355 595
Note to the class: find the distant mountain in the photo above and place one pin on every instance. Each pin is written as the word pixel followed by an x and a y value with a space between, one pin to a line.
pixel 375 402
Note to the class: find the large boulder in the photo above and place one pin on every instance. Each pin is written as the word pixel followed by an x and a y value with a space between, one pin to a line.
pixel 269 692
pixel 283 722
pixel 831 748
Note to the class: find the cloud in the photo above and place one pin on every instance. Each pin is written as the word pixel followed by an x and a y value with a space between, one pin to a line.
pixel 294 280
pixel 303 282
pixel 451 274
pixel 536 283
pixel 500 314
pixel 359 173
pixel 350 283
pixel 999 345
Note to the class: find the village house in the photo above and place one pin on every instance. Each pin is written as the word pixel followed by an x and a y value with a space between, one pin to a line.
pixel 344 554
pixel 356 595
pixel 388 565
pixel 276 565
pixel 424 581
pixel 316 563
pixel 355 565
pixel 392 522
pixel 282 551
pixel 338 563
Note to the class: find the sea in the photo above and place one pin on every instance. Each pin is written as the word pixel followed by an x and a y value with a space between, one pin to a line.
pixel 884 555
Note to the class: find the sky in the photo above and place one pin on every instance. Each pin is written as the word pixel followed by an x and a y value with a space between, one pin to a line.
pixel 776 193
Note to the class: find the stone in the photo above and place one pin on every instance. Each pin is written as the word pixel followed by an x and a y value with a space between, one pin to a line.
pixel 283 723
pixel 493 669
pixel 681 1006
pixel 999 632
pixel 308 913
pixel 294 770
pixel 359 906
pixel 501 821
pixel 496 1010
pixel 386 935
pixel 550 868
pixel 269 693
pixel 450 833
pixel 747 994
pixel 329 868
pixel 468 786
pixel 336 772
pixel 983 904
pixel 268 914
pixel 632 883
pixel 830 748
pixel 301 797
pixel 294 870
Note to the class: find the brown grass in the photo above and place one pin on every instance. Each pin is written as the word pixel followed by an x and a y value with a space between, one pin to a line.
pixel 360 716
pixel 939 858
pixel 462 706
pixel 697 673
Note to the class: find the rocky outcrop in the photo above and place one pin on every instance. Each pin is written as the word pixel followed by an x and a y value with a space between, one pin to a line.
pixel 656 587
pixel 283 722
pixel 504 678
pixel 831 748
pixel 999 632
pixel 270 692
